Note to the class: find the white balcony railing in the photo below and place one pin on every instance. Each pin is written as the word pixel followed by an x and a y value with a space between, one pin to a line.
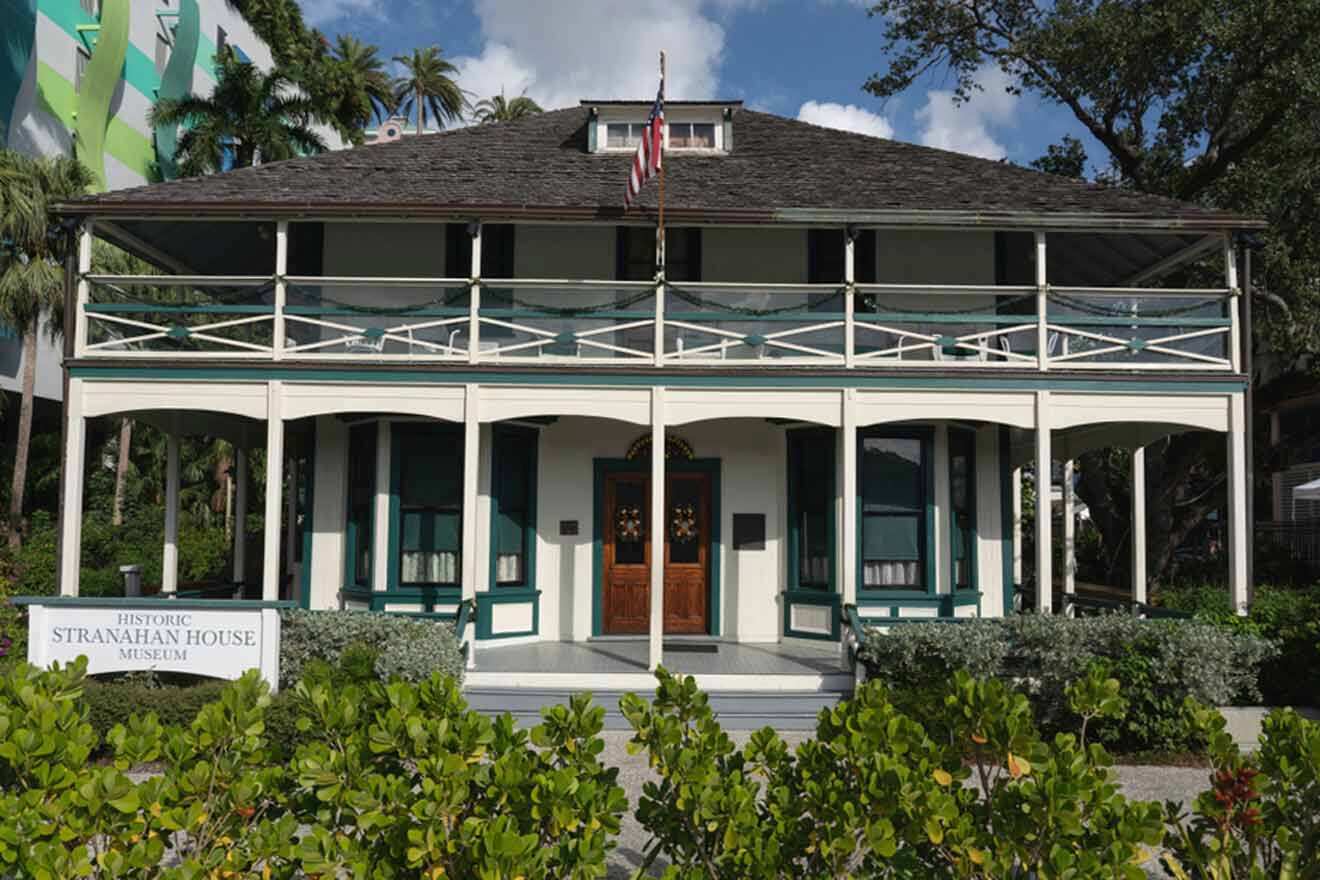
pixel 592 323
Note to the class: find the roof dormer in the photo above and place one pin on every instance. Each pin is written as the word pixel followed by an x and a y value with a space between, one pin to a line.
pixel 695 127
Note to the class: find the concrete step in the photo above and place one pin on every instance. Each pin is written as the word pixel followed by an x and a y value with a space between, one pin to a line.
pixel 736 710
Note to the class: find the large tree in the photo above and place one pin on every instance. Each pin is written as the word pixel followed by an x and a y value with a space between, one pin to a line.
pixel 32 255
pixel 371 86
pixel 427 84
pixel 252 116
pixel 1213 101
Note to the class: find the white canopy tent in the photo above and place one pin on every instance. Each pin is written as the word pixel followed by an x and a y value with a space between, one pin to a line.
pixel 1305 492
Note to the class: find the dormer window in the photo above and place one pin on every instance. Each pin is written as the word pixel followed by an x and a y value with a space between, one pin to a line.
pixel 623 135
pixel 691 135
pixel 695 126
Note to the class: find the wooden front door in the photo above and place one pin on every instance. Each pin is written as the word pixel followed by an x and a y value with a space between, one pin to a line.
pixel 626 554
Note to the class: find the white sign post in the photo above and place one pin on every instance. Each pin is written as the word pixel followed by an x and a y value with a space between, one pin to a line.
pixel 218 638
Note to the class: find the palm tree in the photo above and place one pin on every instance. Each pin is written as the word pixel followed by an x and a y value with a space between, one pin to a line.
pixel 374 91
pixel 31 278
pixel 497 108
pixel 427 83
pixel 250 117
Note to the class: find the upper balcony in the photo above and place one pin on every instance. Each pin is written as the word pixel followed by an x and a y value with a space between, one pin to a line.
pixel 768 297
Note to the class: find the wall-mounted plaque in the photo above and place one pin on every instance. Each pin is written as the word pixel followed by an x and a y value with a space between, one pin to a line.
pixel 749 531
pixel 568 527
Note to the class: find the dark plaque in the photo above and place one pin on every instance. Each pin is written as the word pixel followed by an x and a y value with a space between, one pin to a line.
pixel 568 527
pixel 749 531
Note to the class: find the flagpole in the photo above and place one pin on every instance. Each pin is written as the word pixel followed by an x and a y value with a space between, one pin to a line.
pixel 660 233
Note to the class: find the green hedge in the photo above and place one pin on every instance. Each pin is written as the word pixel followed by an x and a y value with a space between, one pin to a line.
pixel 1287 616
pixel 115 701
pixel 404 647
pixel 1159 664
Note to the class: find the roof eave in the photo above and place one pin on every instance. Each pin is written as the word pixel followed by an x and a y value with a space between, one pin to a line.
pixel 677 216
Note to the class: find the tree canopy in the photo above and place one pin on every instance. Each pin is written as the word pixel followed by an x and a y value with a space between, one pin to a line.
pixel 1213 101
pixel 250 117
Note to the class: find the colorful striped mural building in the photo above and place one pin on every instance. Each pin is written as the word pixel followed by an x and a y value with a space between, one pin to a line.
pixel 79 77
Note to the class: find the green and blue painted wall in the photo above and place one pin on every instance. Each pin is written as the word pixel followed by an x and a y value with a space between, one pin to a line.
pixel 79 77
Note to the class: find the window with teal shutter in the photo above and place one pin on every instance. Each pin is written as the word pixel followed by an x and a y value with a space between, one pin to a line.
pixel 513 507
pixel 962 507
pixel 895 497
pixel 361 503
pixel 430 490
pixel 811 508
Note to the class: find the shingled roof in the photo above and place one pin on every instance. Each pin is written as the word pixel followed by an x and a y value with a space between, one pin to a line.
pixel 778 168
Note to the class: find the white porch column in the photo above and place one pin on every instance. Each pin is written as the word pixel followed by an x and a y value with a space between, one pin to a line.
pixel 1044 517
pixel 169 570
pixel 1042 305
pixel 270 569
pixel 1234 305
pixel 847 567
pixel 380 510
pixel 849 281
pixel 1069 536
pixel 471 479
pixel 281 291
pixel 83 290
pixel 943 501
pixel 1238 526
pixel 240 513
pixel 71 509
pixel 291 530
pixel 657 627
pixel 474 299
pixel 1139 524
pixel 1016 526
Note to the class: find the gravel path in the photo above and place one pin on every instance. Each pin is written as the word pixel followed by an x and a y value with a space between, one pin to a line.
pixel 1143 783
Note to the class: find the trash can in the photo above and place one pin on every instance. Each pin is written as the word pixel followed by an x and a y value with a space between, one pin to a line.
pixel 132 579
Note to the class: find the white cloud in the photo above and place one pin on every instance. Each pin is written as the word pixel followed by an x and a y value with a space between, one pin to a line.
pixel 848 117
pixel 563 52
pixel 966 128
pixel 318 12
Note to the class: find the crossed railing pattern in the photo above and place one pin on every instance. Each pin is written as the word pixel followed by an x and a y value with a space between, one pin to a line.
pixel 613 322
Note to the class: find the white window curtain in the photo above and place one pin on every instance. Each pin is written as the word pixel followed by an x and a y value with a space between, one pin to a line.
pixel 422 567
pixel 508 568
pixel 880 574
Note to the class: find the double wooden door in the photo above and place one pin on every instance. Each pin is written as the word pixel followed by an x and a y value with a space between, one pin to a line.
pixel 627 553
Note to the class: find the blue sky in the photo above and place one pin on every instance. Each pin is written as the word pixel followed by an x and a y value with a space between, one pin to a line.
pixel 798 58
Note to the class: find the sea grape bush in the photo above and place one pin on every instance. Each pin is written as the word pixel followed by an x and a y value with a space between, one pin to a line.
pixel 875 795
pixel 402 779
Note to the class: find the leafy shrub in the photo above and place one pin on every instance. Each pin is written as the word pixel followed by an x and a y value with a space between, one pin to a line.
pixel 1261 815
pixel 427 784
pixel 1158 664
pixel 405 647
pixel 117 700
pixel 875 795
pixel 1290 617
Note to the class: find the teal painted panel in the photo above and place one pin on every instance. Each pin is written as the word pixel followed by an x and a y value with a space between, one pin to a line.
pixel 176 81
pixel 20 32
pixel 978 380
pixel 139 68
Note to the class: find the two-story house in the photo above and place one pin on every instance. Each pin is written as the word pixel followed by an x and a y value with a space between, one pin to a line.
pixel 498 389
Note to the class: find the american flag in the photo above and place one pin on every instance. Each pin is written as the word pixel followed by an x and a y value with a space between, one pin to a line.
pixel 646 163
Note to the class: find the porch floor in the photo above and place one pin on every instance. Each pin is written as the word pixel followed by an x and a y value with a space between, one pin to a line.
pixel 622 664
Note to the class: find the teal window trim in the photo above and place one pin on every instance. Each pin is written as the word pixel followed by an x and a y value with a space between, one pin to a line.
pixel 518 444
pixel 603 466
pixel 926 536
pixel 802 443
pixel 309 477
pixel 962 441
pixel 831 600
pixel 352 526
pixel 518 596
pixel 431 593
